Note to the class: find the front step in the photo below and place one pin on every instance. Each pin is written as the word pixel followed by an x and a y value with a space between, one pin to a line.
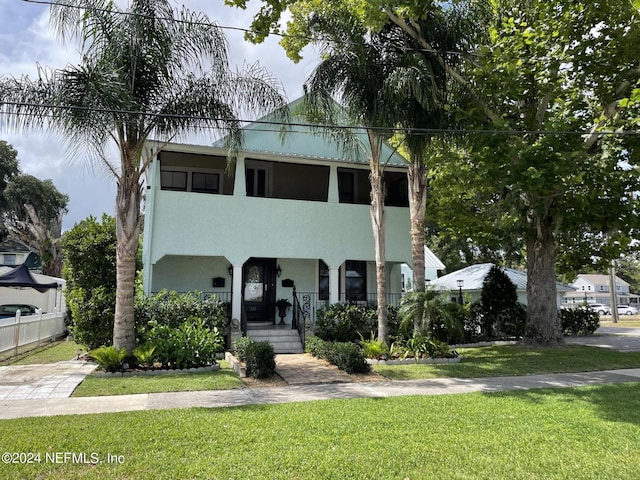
pixel 282 340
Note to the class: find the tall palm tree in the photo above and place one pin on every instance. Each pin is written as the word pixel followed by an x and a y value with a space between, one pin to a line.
pixel 145 72
pixel 354 71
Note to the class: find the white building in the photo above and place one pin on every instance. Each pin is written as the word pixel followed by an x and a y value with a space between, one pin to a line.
pixel 595 288
pixel 285 214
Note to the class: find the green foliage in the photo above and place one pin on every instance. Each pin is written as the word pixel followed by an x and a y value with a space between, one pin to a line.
pixel 90 272
pixel 346 356
pixel 109 359
pixel 579 321
pixel 420 311
pixel 240 346
pixel 8 170
pixel 424 347
pixel 260 359
pixel 145 354
pixel 373 348
pixel 92 313
pixel 345 322
pixel 173 309
pixel 500 311
pixel 191 344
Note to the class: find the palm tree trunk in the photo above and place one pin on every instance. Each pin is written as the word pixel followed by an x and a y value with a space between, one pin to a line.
pixel 127 236
pixel 378 225
pixel 417 179
pixel 542 326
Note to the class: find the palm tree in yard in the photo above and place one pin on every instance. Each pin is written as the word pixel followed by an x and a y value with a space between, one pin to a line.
pixel 147 72
pixel 354 71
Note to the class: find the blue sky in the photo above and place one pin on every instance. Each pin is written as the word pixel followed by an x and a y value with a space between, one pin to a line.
pixel 26 42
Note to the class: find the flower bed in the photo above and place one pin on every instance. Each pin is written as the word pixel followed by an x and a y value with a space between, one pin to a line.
pixel 408 361
pixel 156 371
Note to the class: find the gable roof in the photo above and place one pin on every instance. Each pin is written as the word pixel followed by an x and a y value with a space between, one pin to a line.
pixel 474 275
pixel 598 279
pixel 13 246
pixel 263 137
pixel 431 261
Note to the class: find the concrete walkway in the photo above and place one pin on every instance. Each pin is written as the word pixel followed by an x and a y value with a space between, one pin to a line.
pixel 42 390
pixel 304 393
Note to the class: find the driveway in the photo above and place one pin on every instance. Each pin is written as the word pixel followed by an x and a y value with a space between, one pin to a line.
pixel 622 339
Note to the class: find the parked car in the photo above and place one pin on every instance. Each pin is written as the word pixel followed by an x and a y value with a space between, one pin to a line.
pixel 10 310
pixel 601 308
pixel 627 310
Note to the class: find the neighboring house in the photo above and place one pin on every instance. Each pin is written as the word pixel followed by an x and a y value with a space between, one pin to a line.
pixel 14 253
pixel 431 266
pixel 468 282
pixel 286 213
pixel 595 288
pixel 48 300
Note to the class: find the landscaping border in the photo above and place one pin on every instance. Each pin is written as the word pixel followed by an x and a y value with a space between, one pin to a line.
pixel 409 361
pixel 140 373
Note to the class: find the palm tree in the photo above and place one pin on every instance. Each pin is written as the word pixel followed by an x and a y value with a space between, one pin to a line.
pixel 145 72
pixel 354 71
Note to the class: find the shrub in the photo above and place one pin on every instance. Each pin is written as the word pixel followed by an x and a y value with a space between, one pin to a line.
pixel 240 347
pixel 423 347
pixel 110 358
pixel 346 356
pixel 93 315
pixel 173 309
pixel 373 348
pixel 511 321
pixel 579 321
pixel 145 354
pixel 345 322
pixel 192 344
pixel 260 359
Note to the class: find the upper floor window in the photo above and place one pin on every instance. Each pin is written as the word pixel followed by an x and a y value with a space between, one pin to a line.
pixel 187 180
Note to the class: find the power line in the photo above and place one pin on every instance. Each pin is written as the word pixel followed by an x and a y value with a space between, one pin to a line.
pixel 312 126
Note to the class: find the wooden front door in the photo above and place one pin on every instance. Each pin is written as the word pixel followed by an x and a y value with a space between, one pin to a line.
pixel 259 289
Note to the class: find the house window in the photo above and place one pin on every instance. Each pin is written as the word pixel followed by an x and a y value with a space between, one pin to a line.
pixel 346 187
pixel 355 280
pixel 323 281
pixel 205 182
pixel 258 178
pixel 172 180
pixel 9 258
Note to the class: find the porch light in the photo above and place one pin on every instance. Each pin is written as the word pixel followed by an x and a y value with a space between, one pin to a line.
pixel 460 285
pixel 278 271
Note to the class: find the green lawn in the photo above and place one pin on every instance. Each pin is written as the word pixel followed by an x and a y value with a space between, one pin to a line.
pixel 589 432
pixel 50 353
pixel 497 361
pixel 222 379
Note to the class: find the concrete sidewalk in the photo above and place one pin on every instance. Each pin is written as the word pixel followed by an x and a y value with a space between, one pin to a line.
pixel 304 393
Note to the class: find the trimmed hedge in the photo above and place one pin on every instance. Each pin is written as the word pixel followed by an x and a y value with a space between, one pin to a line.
pixel 260 359
pixel 346 356
pixel 579 321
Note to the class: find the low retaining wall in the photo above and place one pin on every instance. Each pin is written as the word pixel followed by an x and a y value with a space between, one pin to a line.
pixel 163 371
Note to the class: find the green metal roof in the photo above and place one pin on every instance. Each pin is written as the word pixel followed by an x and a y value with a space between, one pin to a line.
pixel 301 141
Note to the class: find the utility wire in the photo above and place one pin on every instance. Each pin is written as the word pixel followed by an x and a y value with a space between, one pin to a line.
pixel 312 126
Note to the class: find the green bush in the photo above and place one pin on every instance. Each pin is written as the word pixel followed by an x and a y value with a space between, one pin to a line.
pixel 511 321
pixel 240 347
pixel 260 359
pixel 109 359
pixel 192 344
pixel 346 356
pixel 93 315
pixel 423 347
pixel 373 348
pixel 345 322
pixel 145 355
pixel 579 321
pixel 173 309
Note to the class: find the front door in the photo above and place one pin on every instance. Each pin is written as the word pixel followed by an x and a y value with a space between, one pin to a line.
pixel 259 289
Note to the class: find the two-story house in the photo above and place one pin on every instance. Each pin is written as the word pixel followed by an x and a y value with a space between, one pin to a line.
pixel 595 288
pixel 289 212
pixel 14 253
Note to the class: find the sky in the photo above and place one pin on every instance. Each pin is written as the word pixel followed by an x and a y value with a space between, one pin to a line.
pixel 26 42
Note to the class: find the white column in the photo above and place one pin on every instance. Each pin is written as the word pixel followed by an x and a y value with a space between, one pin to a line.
pixel 334 285
pixel 333 185
pixel 236 299
pixel 240 184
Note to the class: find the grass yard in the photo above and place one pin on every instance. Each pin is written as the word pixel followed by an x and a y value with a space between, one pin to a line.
pixel 497 361
pixel 588 432
pixel 50 353
pixel 632 321
pixel 222 379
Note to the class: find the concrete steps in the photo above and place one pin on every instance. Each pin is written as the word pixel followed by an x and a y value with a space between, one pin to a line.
pixel 283 340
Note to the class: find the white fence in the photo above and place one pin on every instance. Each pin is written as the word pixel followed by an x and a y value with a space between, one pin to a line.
pixel 20 330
